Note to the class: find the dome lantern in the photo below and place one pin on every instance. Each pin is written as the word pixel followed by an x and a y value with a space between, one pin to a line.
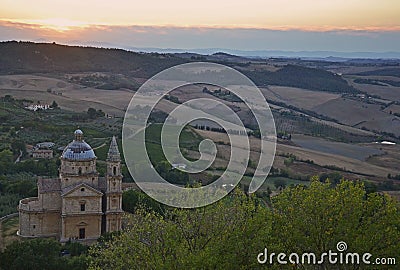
pixel 78 135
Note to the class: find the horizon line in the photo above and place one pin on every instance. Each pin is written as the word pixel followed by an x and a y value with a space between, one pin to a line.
pixel 221 50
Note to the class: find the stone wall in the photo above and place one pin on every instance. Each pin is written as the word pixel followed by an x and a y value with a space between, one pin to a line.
pixel 50 200
pixel 72 205
pixel 72 224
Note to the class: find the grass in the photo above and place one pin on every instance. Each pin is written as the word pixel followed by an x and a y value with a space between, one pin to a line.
pixel 101 152
pixel 9 230
pixel 10 226
pixel 269 182
pixel 187 139
pixel 155 152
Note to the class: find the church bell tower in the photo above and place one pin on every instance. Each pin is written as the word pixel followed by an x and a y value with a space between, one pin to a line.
pixel 114 188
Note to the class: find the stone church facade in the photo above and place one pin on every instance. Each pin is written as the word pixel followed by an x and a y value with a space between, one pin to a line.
pixel 79 205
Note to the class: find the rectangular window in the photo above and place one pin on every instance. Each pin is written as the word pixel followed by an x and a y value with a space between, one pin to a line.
pixel 82 233
pixel 83 206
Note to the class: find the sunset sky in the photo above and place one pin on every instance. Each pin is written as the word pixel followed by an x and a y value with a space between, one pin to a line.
pixel 341 25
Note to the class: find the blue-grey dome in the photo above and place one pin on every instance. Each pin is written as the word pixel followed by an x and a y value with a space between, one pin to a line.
pixel 78 149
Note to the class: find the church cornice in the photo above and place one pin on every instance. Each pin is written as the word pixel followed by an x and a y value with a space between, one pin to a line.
pixel 114 192
pixel 65 174
pixel 78 214
pixel 39 211
pixel 114 212
pixel 110 175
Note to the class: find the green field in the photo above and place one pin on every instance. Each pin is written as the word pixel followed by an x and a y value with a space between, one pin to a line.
pixel 188 139
pixel 270 182
pixel 8 232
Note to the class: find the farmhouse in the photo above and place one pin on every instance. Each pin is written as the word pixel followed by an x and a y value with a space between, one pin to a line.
pixel 43 150
pixel 42 153
pixel 79 205
pixel 36 107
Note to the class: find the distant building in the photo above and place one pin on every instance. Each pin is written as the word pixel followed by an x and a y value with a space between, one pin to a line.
pixel 79 205
pixel 35 107
pixel 43 145
pixel 178 166
pixel 43 150
pixel 42 153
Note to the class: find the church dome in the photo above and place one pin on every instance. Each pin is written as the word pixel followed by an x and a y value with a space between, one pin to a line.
pixel 78 149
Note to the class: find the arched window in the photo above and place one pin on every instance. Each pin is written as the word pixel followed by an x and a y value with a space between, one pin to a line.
pixel 80 171
pixel 115 170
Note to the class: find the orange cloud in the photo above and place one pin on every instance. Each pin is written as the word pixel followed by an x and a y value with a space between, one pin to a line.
pixel 63 26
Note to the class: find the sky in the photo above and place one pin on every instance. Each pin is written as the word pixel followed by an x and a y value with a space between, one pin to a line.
pixel 288 25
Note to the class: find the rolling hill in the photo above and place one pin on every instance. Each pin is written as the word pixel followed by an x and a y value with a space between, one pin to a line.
pixel 28 57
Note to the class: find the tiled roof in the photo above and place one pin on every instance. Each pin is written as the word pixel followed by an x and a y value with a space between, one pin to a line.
pixel 49 185
pixel 102 183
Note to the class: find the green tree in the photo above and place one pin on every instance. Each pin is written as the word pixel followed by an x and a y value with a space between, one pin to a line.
pixel 334 177
pixel 37 254
pixel 42 254
pixel 316 218
pixel 6 161
pixel 279 183
pixel 23 187
pixel 54 105
pixel 6 156
pixel 17 146
pixel 230 233
pixel 75 249
pixel 134 199
pixel 225 235
pixel 8 98
pixel 92 113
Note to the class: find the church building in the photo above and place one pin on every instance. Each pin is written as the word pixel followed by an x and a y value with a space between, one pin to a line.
pixel 79 205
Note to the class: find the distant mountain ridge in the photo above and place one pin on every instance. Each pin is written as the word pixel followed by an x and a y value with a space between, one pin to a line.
pixel 335 56
pixel 306 55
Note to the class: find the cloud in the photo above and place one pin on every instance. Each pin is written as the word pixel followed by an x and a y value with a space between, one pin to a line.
pixel 325 38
